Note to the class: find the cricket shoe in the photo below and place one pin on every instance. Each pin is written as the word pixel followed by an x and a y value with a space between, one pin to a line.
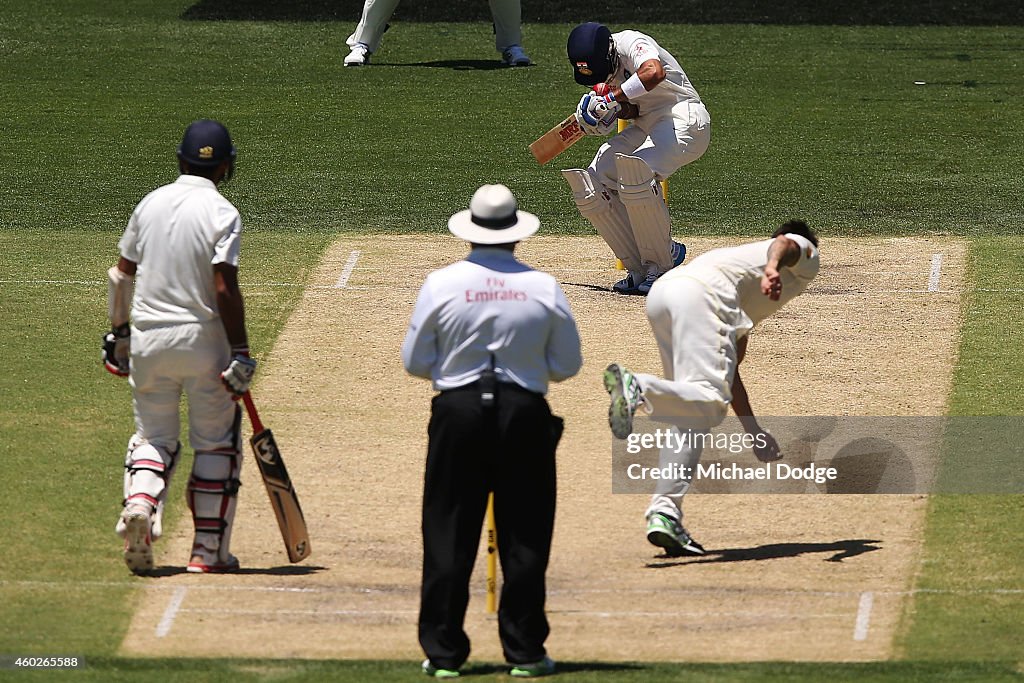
pixel 205 561
pixel 359 56
pixel 138 543
pixel 435 672
pixel 678 253
pixel 653 273
pixel 544 667
pixel 666 532
pixel 513 55
pixel 627 285
pixel 626 397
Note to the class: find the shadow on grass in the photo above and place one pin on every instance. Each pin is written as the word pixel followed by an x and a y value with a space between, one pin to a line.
pixel 454 64
pixel 840 550
pixel 621 15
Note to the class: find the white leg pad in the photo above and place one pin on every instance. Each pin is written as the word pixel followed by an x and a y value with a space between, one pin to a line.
pixel 608 217
pixel 147 475
pixel 213 496
pixel 640 193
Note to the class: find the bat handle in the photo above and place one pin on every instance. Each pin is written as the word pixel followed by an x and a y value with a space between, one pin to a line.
pixel 254 417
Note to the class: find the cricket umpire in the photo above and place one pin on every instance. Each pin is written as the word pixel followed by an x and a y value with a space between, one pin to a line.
pixel 490 333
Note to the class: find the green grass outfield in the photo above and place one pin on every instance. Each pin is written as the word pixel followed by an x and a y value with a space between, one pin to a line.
pixel 819 121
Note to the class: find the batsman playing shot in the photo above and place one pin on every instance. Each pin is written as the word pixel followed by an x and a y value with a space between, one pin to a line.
pixel 634 78
pixel 702 315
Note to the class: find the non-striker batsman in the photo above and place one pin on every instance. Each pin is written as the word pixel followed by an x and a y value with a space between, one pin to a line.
pixel 178 326
pixel 634 78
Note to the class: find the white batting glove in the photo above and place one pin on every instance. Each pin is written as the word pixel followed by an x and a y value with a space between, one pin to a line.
pixel 598 114
pixel 238 375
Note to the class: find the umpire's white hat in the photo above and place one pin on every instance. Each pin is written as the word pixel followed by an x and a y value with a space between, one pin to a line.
pixel 493 217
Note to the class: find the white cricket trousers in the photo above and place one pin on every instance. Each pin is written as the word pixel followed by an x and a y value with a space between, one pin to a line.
pixel 672 142
pixel 696 331
pixel 507 15
pixel 175 359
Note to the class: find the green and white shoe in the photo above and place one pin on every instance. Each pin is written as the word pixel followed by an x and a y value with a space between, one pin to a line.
pixel 626 397
pixel 666 532
pixel 435 672
pixel 544 667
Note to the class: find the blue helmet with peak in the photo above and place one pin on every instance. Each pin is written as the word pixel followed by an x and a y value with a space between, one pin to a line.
pixel 206 145
pixel 591 53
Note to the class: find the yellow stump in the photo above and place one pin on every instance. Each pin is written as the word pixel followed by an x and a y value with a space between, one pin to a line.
pixel 492 558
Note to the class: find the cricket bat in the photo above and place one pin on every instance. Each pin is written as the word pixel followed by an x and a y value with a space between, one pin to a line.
pixel 279 486
pixel 557 140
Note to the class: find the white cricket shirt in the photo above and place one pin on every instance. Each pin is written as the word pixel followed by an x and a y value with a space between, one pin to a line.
pixel 635 48
pixel 490 303
pixel 734 273
pixel 176 234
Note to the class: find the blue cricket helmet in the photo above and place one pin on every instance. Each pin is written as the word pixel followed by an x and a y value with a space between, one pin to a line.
pixel 207 144
pixel 591 53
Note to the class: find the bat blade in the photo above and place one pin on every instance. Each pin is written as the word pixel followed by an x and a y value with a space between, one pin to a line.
pixel 557 140
pixel 282 495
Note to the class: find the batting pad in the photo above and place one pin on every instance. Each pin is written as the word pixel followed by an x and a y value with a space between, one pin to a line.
pixel 648 214
pixel 608 217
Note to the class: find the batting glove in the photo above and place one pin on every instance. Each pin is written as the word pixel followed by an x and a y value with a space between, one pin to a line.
pixel 597 113
pixel 238 375
pixel 117 350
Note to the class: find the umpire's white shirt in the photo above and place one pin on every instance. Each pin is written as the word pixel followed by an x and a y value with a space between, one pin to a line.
pixel 490 303
pixel 176 234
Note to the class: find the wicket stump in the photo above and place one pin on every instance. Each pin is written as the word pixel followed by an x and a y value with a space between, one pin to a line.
pixel 492 558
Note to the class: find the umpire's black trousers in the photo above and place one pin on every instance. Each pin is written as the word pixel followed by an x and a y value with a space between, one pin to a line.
pixel 508 448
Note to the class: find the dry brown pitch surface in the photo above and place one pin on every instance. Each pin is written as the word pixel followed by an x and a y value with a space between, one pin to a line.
pixel 868 338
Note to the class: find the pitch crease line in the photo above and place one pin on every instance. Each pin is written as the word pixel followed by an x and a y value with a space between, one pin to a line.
pixel 860 628
pixel 376 590
pixel 346 272
pixel 936 272
pixel 173 607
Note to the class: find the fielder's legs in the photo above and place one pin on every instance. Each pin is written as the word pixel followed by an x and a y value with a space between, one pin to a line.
pixel 507 15
pixel 454 502
pixel 365 40
pixel 508 31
